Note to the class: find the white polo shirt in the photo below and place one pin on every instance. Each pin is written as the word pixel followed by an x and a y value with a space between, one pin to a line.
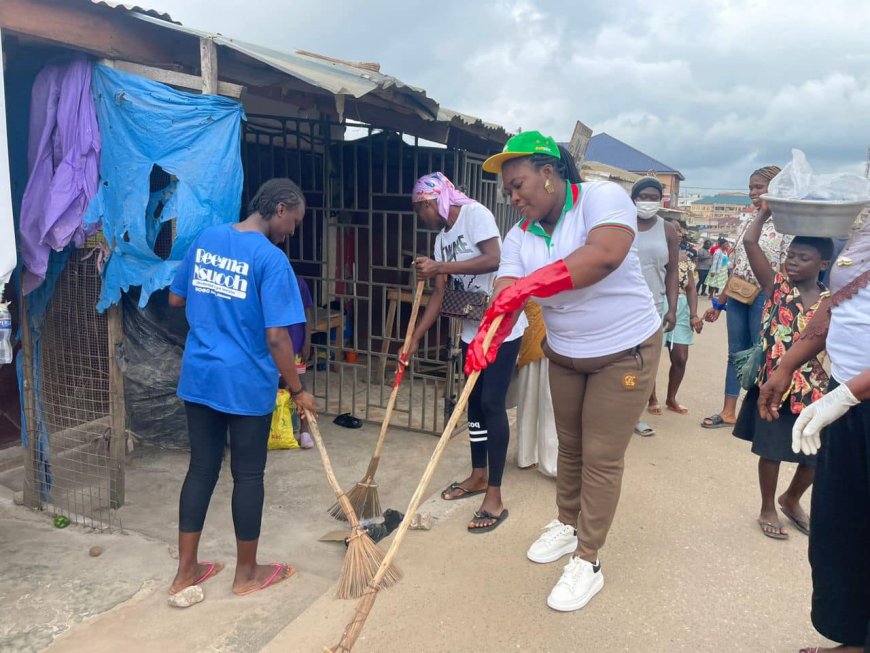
pixel 849 332
pixel 615 314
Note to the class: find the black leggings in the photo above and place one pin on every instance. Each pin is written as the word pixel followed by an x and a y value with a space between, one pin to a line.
pixel 488 428
pixel 249 439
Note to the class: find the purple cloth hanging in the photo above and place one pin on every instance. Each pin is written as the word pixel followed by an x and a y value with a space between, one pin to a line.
pixel 64 161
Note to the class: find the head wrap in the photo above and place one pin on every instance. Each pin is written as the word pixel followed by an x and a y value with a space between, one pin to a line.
pixel 440 189
pixel 646 182
pixel 767 172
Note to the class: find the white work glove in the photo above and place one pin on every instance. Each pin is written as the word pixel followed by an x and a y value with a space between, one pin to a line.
pixel 805 436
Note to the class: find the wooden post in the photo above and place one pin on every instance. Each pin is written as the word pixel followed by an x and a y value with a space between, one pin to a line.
pixel 208 60
pixel 31 451
pixel 117 408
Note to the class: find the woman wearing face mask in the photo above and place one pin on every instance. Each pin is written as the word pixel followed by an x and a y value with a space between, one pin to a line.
pixel 744 319
pixel 467 251
pixel 658 247
pixel 574 252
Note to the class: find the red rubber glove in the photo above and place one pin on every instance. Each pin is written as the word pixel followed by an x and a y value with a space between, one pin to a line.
pixel 545 282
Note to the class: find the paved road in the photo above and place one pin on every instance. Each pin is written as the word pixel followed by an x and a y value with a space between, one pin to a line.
pixel 686 567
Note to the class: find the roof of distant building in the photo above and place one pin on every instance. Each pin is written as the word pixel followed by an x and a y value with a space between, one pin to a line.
pixel 725 199
pixel 604 148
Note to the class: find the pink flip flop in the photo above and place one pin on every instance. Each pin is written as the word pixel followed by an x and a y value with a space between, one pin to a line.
pixel 214 568
pixel 274 579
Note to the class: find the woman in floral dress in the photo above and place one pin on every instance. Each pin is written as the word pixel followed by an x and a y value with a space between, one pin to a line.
pixel 792 301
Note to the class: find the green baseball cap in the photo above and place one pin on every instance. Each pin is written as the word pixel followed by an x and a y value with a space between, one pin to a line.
pixel 524 144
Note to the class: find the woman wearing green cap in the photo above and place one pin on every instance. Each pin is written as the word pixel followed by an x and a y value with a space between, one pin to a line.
pixel 574 252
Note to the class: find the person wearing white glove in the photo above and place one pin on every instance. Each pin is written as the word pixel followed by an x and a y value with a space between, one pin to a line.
pixel 840 511
pixel 806 434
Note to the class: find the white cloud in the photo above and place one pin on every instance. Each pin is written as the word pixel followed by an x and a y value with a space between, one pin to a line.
pixel 713 87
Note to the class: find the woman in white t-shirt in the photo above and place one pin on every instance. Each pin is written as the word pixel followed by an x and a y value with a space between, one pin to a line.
pixel 840 515
pixel 574 252
pixel 467 252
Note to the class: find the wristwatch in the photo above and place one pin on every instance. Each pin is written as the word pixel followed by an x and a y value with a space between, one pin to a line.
pixel 296 393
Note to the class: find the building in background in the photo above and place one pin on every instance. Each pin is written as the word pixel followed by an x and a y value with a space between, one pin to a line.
pixel 721 214
pixel 604 148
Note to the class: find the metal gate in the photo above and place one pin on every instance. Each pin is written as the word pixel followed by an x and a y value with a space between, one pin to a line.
pixel 355 250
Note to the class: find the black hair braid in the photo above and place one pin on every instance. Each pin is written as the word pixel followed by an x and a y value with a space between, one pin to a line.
pixel 564 167
pixel 275 192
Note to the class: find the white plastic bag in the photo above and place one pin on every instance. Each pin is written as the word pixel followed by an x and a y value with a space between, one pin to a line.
pixel 797 182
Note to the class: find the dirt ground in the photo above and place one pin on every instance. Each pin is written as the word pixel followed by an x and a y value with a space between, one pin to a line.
pixel 686 567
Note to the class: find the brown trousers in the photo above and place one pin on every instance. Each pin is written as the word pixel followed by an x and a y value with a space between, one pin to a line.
pixel 597 402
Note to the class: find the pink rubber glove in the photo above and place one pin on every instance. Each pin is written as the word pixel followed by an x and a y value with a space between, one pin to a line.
pixel 546 282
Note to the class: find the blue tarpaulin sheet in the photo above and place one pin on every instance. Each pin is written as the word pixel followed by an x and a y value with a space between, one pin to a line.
pixel 194 138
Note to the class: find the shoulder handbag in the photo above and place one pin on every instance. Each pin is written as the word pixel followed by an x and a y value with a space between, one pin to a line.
pixel 464 304
pixel 749 361
pixel 740 290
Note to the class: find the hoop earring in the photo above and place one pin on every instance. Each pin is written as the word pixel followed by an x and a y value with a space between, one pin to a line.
pixel 548 185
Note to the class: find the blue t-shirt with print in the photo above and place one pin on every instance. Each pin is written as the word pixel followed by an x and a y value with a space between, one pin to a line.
pixel 237 285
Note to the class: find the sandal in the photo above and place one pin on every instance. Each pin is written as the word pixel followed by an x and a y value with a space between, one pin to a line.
pixel 800 524
pixel 448 494
pixel 654 409
pixel 715 422
pixel 644 430
pixel 485 515
pixel 348 421
pixel 772 534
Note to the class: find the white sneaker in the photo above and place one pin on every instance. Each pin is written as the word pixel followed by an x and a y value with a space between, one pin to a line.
pixel 580 581
pixel 557 540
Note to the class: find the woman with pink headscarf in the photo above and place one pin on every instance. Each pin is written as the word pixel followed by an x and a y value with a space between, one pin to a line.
pixel 467 255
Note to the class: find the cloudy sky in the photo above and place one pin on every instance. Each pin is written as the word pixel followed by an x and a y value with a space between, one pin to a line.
pixel 714 88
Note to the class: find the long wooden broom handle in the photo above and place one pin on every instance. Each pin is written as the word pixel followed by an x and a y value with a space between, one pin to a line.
pixel 406 346
pixel 417 498
pixel 346 506
pixel 364 606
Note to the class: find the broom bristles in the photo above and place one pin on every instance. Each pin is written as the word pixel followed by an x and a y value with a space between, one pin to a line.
pixel 361 563
pixel 364 499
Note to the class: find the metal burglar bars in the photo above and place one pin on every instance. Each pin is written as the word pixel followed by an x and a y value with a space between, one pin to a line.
pixel 355 250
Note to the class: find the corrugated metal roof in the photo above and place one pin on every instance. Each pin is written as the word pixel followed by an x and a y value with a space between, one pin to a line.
pixel 332 75
pixel 492 129
pixel 111 4
pixel 604 148
pixel 335 76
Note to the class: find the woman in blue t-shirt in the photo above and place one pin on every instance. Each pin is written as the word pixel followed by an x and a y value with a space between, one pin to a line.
pixel 240 296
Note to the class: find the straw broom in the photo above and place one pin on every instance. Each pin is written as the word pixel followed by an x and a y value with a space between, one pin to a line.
pixel 354 628
pixel 363 558
pixel 364 495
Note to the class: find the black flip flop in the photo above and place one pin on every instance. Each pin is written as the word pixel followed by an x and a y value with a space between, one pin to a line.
pixel 465 493
pixel 801 526
pixel 348 421
pixel 484 514
pixel 716 422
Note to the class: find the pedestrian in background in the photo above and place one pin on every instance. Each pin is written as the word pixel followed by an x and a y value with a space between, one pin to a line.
pixel 703 263
pixel 743 298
